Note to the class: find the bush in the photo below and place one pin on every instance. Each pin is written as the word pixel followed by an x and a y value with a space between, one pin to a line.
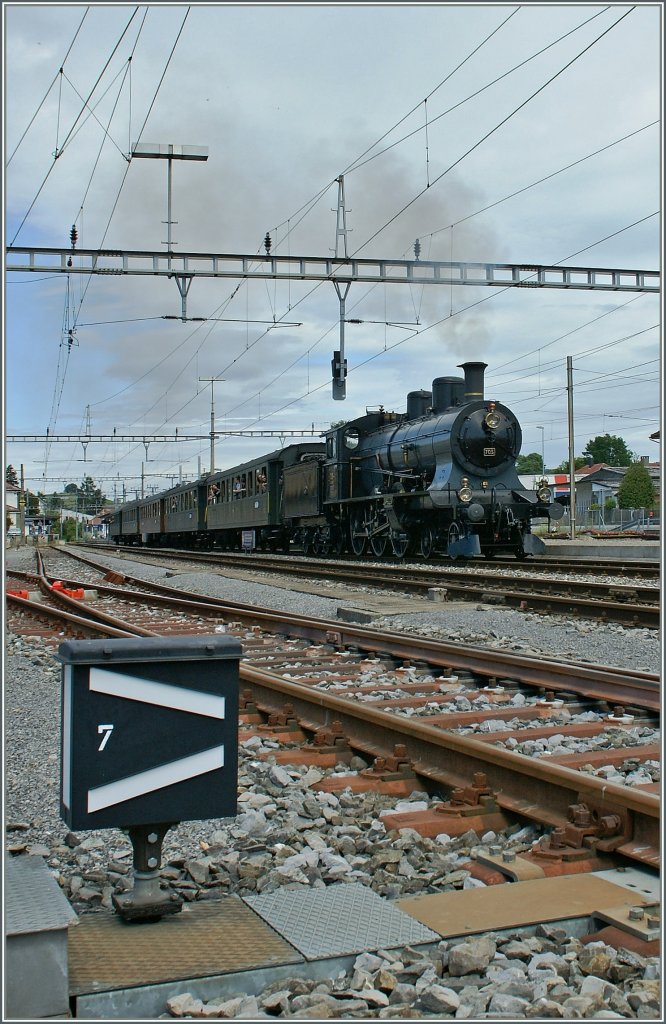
pixel 636 489
pixel 69 529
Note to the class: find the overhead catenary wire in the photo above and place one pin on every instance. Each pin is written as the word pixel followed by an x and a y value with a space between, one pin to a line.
pixel 62 148
pixel 46 94
pixel 540 181
pixel 59 386
pixel 488 134
pixel 492 131
pixel 126 171
pixel 288 235
pixel 307 207
pixel 357 166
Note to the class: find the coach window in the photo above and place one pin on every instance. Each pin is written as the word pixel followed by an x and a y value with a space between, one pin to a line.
pixel 250 483
pixel 261 480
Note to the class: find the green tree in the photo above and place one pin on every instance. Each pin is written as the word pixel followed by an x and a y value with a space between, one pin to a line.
pixel 529 463
pixel 10 476
pixel 610 449
pixel 31 504
pixel 637 488
pixel 91 498
pixel 53 502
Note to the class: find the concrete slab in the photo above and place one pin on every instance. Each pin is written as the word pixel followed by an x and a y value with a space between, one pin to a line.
pixel 611 547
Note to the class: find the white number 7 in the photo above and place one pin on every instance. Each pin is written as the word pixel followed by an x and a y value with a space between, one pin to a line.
pixel 107 730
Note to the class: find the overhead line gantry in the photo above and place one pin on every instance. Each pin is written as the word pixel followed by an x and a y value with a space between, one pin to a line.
pixel 340 270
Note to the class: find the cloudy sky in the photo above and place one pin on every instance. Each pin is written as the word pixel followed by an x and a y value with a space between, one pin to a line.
pixel 496 133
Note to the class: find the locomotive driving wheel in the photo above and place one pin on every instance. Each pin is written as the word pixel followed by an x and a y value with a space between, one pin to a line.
pixel 400 542
pixel 427 542
pixel 378 544
pixel 379 541
pixel 358 534
pixel 453 536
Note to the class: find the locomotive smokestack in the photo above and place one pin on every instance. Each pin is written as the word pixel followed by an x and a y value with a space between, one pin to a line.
pixel 473 380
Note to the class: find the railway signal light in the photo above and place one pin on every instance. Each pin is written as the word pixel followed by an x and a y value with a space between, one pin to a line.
pixel 339 374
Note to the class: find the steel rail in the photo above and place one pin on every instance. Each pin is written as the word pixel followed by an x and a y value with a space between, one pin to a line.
pixel 529 787
pixel 629 607
pixel 62 615
pixel 602 683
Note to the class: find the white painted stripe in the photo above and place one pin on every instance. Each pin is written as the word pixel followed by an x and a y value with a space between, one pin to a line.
pixel 155 778
pixel 67 736
pixel 116 684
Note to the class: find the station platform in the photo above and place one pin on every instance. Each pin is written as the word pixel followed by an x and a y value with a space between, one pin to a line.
pixel 586 547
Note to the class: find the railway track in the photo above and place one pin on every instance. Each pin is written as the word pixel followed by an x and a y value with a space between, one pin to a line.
pixel 635 604
pixel 628 568
pixel 455 720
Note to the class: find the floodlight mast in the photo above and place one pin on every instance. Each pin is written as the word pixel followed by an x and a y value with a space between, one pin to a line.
pixel 170 152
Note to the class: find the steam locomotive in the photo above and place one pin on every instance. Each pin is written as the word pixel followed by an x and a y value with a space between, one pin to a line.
pixel 438 479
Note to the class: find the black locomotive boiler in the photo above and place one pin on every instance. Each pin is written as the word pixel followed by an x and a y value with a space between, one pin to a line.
pixel 440 478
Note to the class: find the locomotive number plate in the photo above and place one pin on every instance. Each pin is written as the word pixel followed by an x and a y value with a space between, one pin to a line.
pixel 489 452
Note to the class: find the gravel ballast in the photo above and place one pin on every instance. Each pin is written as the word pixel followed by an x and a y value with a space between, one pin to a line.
pixel 289 834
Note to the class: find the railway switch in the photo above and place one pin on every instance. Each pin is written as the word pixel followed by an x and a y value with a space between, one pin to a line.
pixel 149 739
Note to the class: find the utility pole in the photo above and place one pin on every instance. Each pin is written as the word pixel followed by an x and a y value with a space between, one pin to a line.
pixel 212 381
pixel 572 460
pixel 338 362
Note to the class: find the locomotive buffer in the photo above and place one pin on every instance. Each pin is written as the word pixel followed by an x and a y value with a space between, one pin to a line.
pixel 149 739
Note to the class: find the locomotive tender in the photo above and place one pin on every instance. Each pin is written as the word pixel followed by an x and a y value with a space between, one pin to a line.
pixel 440 478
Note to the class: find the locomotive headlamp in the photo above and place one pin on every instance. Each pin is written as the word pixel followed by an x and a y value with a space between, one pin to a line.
pixel 544 493
pixel 492 418
pixel 465 492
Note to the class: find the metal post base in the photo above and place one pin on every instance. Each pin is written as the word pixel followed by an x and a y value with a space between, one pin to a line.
pixel 147 901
